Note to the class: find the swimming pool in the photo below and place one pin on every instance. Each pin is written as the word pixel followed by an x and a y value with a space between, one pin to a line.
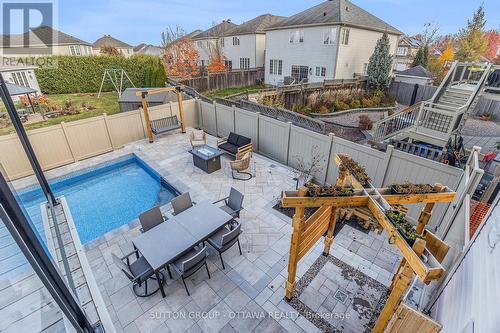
pixel 104 197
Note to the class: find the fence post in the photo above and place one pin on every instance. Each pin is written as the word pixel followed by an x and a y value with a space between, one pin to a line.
pixel 141 114
pixel 331 136
pixel 200 113
pixel 233 108
pixel 289 123
pixel 110 137
pixel 386 162
pixel 258 134
pixel 65 132
pixel 215 114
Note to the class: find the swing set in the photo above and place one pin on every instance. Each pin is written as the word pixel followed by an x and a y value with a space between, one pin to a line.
pixel 165 124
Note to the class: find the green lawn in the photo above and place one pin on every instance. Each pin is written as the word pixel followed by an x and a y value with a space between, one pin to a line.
pixel 231 91
pixel 107 103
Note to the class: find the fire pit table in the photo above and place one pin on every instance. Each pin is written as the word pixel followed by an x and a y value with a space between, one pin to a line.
pixel 206 158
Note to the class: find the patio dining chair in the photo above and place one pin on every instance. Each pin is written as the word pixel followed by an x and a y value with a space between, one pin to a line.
pixel 151 218
pixel 189 264
pixel 138 272
pixel 233 203
pixel 181 203
pixel 225 238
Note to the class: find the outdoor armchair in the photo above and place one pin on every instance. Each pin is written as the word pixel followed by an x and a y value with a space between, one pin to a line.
pixel 151 218
pixel 138 272
pixel 181 203
pixel 197 138
pixel 224 239
pixel 239 167
pixel 233 203
pixel 189 264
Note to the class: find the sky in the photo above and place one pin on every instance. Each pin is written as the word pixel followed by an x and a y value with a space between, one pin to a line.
pixel 141 21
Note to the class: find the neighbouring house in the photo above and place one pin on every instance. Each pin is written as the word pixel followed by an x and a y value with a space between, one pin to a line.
pixel 405 53
pixel 129 101
pixel 106 40
pixel 415 75
pixel 23 76
pixel 244 46
pixel 43 41
pixel 333 40
pixel 148 49
pixel 208 39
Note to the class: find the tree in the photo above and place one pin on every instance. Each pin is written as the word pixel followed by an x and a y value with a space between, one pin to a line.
pixel 216 57
pixel 181 58
pixel 109 50
pixel 171 35
pixel 493 38
pixel 422 57
pixel 436 68
pixel 379 65
pixel 472 43
pixel 447 55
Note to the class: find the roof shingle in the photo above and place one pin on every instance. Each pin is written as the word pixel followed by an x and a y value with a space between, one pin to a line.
pixel 256 25
pixel 336 12
pixel 42 35
pixel 107 40
pixel 216 31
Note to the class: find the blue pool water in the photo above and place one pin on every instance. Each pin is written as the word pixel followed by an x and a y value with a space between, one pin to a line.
pixel 105 197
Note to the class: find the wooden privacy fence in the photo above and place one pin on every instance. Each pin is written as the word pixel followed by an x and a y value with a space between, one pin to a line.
pixel 226 79
pixel 77 140
pixel 293 145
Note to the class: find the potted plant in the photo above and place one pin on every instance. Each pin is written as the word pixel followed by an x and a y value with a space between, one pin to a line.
pixel 329 191
pixel 485 116
pixel 356 170
pixel 410 188
pixel 365 123
pixel 404 227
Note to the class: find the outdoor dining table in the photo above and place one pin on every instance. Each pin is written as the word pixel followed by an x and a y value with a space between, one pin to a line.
pixel 167 241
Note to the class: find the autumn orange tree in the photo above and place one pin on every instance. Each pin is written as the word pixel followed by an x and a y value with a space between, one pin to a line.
pixel 216 58
pixel 181 58
pixel 493 38
pixel 447 55
pixel 109 50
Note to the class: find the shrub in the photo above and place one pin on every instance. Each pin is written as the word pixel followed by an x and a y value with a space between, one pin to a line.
pixel 340 105
pixel 84 74
pixel 375 100
pixel 355 104
pixel 366 102
pixel 323 109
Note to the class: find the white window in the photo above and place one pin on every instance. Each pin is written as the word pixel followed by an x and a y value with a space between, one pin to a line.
pixel 276 67
pixel 20 79
pixel 202 63
pixel 199 44
pixel 228 64
pixel 221 42
pixel 236 41
pixel 244 63
pixel 75 50
pixel 296 36
pixel 329 36
pixel 344 36
pixel 402 51
pixel 320 71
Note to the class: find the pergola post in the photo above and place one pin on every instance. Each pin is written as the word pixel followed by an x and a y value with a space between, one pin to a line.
pixel 331 229
pixel 181 109
pixel 146 116
pixel 297 223
pixel 401 282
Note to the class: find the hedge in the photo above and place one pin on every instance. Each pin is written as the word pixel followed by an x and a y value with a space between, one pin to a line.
pixel 83 74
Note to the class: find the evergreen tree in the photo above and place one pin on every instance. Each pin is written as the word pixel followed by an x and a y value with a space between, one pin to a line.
pixel 422 57
pixel 473 43
pixel 379 66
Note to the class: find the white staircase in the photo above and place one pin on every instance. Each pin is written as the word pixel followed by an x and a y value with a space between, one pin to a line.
pixel 435 120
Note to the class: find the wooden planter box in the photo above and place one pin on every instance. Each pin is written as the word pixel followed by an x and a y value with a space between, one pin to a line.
pixel 313 192
pixel 395 191
pixel 409 241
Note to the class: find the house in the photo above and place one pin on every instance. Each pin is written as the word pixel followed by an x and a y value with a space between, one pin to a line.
pixel 43 41
pixel 244 45
pixel 415 75
pixel 208 40
pixel 333 40
pixel 106 40
pixel 148 49
pixel 405 53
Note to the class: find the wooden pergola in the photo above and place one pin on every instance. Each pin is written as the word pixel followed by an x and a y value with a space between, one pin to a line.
pixel 422 259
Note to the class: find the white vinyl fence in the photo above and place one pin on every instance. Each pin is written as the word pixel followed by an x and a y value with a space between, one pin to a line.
pixel 293 146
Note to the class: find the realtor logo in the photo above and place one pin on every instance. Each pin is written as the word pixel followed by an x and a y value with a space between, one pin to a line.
pixel 27 28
